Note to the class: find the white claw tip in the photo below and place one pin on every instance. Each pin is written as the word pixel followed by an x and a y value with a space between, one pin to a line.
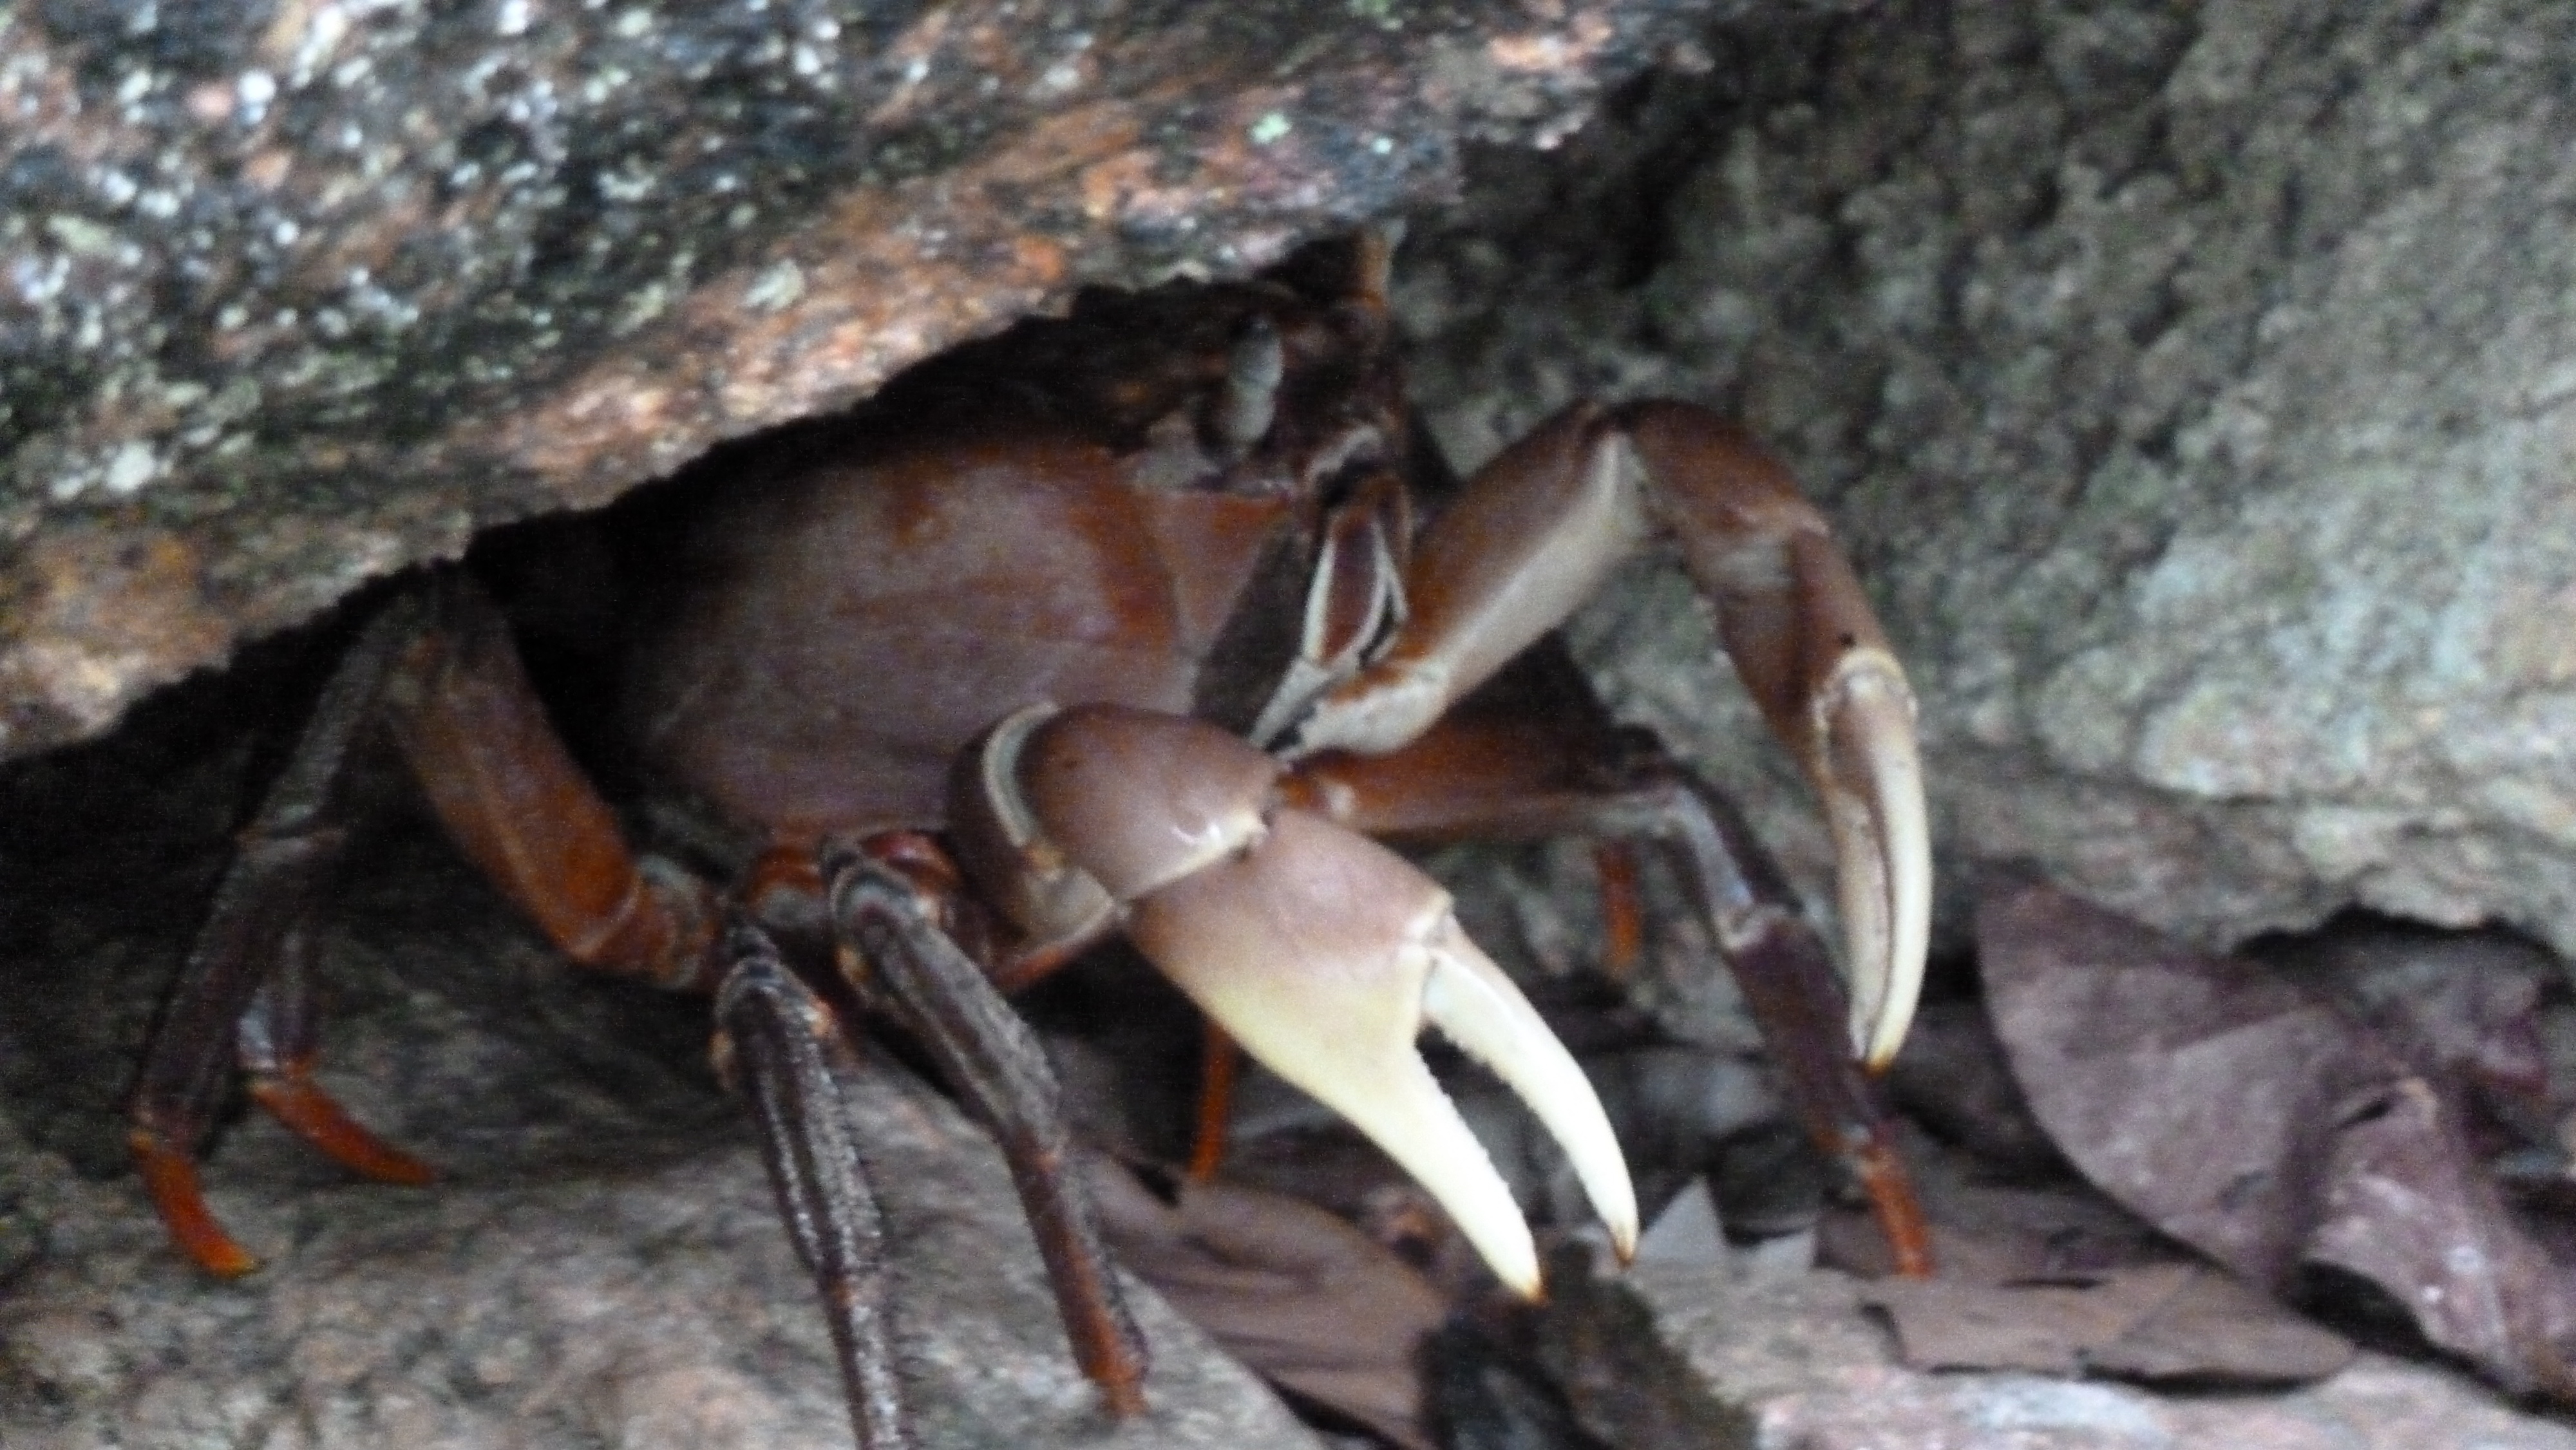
pixel 1472 1003
pixel 1873 789
pixel 1325 954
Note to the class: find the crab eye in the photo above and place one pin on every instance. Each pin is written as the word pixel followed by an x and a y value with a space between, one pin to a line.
pixel 1249 401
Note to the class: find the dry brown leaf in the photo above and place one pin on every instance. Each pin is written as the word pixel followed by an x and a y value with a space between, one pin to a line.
pixel 1952 1078
pixel 1309 1302
pixel 2214 1329
pixel 2264 1127
pixel 2047 1328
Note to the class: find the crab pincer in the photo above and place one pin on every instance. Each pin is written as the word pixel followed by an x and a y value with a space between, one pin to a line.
pixel 1323 953
pixel 1538 531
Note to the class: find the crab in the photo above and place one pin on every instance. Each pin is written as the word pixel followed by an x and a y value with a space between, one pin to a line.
pixel 1147 621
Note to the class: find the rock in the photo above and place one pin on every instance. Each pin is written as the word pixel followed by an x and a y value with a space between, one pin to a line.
pixel 658 1306
pixel 2194 388
pixel 1672 1358
pixel 298 294
pixel 602 1261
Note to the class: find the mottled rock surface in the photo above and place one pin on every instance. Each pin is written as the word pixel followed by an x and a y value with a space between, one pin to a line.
pixel 658 1305
pixel 602 1262
pixel 2195 386
pixel 603 1265
pixel 295 292
pixel 1674 1357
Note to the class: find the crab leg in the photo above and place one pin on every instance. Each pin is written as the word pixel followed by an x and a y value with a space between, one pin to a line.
pixel 910 967
pixel 437 666
pixel 478 740
pixel 239 998
pixel 1532 536
pixel 1218 1057
pixel 276 1045
pixel 1323 953
pixel 772 1034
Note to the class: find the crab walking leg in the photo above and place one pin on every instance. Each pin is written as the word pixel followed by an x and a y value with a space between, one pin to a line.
pixel 277 1043
pixel 437 667
pixel 911 968
pixel 1218 1062
pixel 478 741
pixel 1532 536
pixel 771 1036
pixel 224 1010
pixel 1323 953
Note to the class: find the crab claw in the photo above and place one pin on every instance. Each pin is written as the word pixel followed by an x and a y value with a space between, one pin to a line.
pixel 1871 779
pixel 1798 626
pixel 1536 532
pixel 1323 953
pixel 1845 709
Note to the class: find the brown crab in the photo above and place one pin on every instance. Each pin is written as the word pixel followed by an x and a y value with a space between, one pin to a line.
pixel 1144 620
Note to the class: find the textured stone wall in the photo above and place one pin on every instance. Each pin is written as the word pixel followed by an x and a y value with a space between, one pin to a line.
pixel 2196 386
pixel 296 292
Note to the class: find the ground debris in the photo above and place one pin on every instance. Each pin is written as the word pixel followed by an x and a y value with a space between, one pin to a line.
pixel 2271 1129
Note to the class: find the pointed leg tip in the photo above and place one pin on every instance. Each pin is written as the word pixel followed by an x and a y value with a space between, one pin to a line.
pixel 1893 1203
pixel 312 1115
pixel 225 1261
pixel 409 1172
pixel 170 1177
pixel 1124 1400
